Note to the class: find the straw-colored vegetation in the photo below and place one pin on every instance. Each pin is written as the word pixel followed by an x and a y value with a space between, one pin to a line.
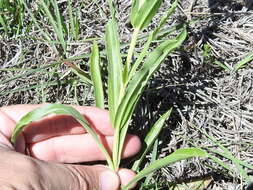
pixel 144 61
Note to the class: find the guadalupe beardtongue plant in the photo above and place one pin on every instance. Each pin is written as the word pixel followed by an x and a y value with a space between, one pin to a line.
pixel 126 83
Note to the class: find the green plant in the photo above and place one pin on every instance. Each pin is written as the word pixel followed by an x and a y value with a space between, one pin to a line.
pixel 63 31
pixel 126 83
pixel 11 16
pixel 220 150
pixel 208 58
pixel 244 61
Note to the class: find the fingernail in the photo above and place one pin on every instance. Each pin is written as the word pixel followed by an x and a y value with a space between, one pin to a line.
pixel 108 181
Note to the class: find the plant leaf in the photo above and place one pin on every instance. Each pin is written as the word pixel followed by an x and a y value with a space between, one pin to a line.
pixel 138 83
pixel 223 66
pixel 41 112
pixel 96 76
pixel 153 158
pixel 143 11
pixel 140 58
pixel 58 31
pixel 151 137
pixel 74 25
pixel 43 32
pixel 60 28
pixel 112 8
pixel 152 36
pixel 237 162
pixel 178 155
pixel 163 20
pixel 244 61
pixel 140 79
pixel 226 153
pixel 3 23
pixel 80 73
pixel 197 184
pixel 115 81
pixel 220 162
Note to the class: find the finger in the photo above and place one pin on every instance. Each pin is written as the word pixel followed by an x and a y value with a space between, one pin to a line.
pixel 6 127
pixel 60 125
pixel 90 177
pixel 126 176
pixel 79 148
pixel 102 178
pixel 81 177
pixel 22 172
pixel 7 124
pixel 5 143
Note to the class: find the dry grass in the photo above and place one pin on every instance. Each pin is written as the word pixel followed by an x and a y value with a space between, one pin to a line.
pixel 202 94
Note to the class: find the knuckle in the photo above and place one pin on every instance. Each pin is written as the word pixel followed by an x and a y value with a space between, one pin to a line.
pixel 79 178
pixel 24 175
pixel 33 180
pixel 29 165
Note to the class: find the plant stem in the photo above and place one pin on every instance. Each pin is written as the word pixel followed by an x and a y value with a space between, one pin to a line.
pixel 116 152
pixel 112 10
pixel 116 144
pixel 108 158
pixel 130 52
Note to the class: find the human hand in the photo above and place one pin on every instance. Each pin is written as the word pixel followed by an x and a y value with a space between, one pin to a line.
pixel 54 141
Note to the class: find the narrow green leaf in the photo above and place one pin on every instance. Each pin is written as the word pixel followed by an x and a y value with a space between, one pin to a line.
pixel 119 139
pixel 136 5
pixel 41 112
pixel 96 76
pixel 112 8
pixel 59 23
pixel 29 71
pixel 55 25
pixel 165 17
pixel 153 158
pixel 143 11
pixel 44 33
pixel 237 162
pixel 73 21
pixel 140 79
pixel 152 36
pixel 140 58
pixel 129 56
pixel 220 162
pixel 226 153
pixel 115 82
pixel 151 137
pixel 223 66
pixel 244 61
pixel 80 73
pixel 3 23
pixel 138 83
pixel 178 155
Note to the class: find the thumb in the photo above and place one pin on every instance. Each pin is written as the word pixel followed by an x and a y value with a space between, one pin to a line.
pixel 79 177
pixel 96 177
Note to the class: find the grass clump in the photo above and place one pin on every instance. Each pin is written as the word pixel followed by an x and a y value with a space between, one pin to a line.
pixel 127 78
pixel 11 17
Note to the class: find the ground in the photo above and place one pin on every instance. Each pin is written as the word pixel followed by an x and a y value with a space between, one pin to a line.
pixel 205 96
